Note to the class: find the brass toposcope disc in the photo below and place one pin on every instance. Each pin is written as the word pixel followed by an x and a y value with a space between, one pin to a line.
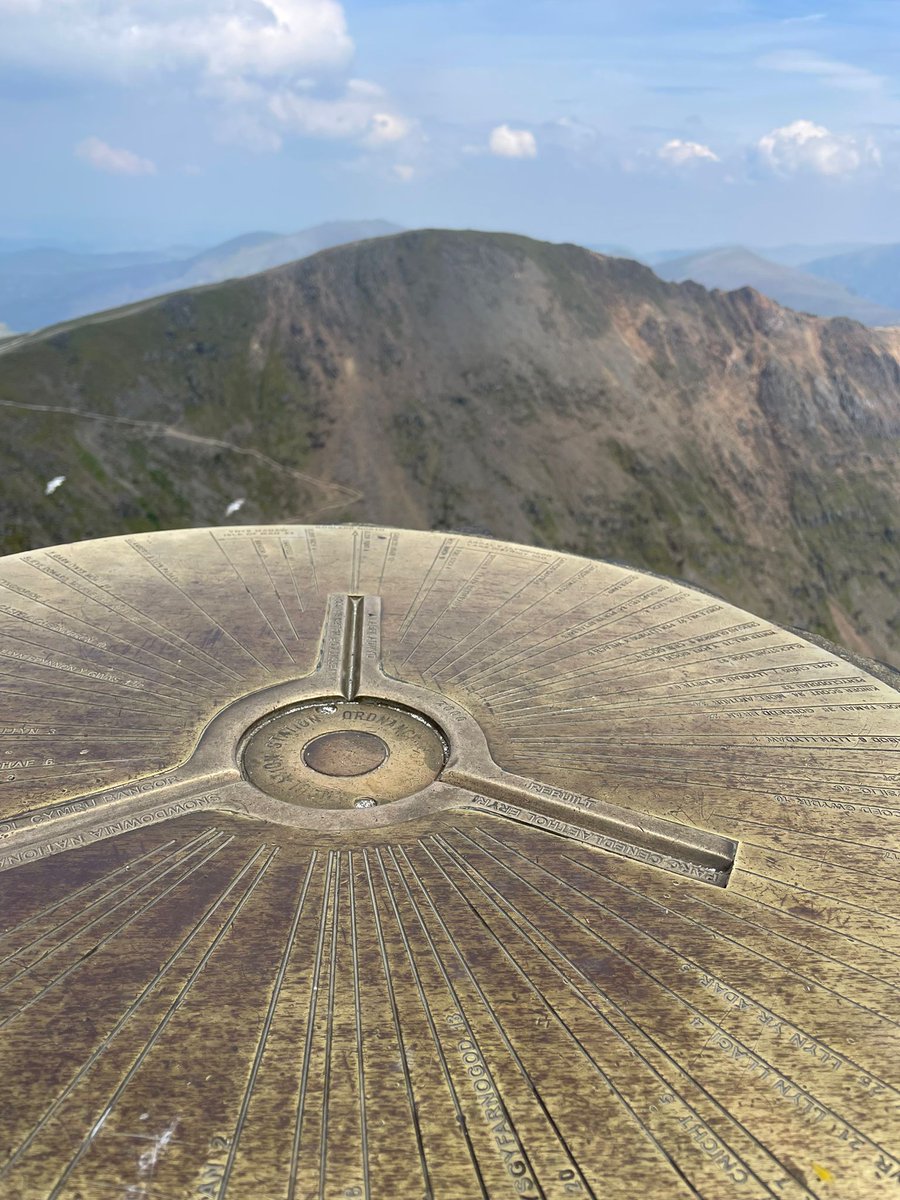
pixel 350 862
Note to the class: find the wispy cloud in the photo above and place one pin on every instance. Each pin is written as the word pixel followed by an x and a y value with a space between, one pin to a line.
pixel 358 112
pixel 830 71
pixel 116 161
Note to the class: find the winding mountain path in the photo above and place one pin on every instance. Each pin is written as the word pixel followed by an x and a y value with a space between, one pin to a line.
pixel 336 495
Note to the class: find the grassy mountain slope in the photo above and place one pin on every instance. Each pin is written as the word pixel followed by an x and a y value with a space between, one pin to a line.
pixel 484 381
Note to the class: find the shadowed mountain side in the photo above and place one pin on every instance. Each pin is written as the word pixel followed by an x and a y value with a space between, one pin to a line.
pixel 484 381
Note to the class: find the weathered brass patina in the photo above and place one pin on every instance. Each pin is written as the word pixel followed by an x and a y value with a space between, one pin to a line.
pixel 350 862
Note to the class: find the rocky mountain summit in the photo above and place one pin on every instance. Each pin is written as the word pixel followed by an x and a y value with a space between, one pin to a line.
pixel 487 382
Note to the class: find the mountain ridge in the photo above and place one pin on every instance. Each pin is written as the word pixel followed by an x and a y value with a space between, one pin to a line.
pixel 730 267
pixel 453 379
pixel 43 286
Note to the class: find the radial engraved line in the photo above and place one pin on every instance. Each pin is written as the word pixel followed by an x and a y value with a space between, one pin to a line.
pixel 129 1012
pixel 69 896
pixel 532 1175
pixel 423 1000
pixel 115 933
pixel 390 544
pixel 200 843
pixel 662 986
pixel 175 685
pixel 143 618
pixel 312 562
pixel 556 618
pixel 471 871
pixel 581 628
pixel 66 684
pixel 70 616
pixel 448 605
pixel 608 1080
pixel 392 1001
pixel 463 647
pixel 329 1025
pixel 276 592
pixel 413 611
pixel 289 560
pixel 467 675
pixel 511 1050
pixel 267 1025
pixel 196 604
pixel 852 939
pixel 251 595
pixel 357 1008
pixel 637 656
pixel 719 933
pixel 796 887
pixel 355 560
pixel 128 883
pixel 310 1030
pixel 142 621
pixel 157 1033
pixel 804 920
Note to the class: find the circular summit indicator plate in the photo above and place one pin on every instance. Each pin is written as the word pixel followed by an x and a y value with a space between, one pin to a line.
pixel 351 862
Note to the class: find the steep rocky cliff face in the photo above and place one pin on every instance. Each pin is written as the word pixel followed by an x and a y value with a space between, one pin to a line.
pixel 484 381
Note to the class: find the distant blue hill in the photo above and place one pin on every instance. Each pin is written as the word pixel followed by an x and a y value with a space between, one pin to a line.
pixel 44 285
pixel 732 267
pixel 873 271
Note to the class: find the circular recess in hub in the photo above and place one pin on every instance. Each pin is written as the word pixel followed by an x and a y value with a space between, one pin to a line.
pixel 345 753
pixel 314 754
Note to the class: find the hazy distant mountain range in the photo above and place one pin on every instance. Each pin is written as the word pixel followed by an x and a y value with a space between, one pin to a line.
pixel 43 286
pixel 872 271
pixel 538 392
pixel 730 267
pixel 832 280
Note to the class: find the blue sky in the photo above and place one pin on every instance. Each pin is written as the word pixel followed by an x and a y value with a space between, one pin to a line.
pixel 638 122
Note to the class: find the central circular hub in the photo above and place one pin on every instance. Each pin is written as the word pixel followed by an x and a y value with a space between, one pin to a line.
pixel 352 754
pixel 345 753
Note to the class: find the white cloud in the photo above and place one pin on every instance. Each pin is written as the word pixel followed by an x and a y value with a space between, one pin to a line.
pixel 386 127
pixel 262 38
pixel 830 71
pixel 404 172
pixel 104 157
pixel 805 146
pixel 677 153
pixel 357 113
pixel 269 67
pixel 512 143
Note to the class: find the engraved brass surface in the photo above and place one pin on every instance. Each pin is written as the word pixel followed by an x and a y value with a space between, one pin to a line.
pixel 356 862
